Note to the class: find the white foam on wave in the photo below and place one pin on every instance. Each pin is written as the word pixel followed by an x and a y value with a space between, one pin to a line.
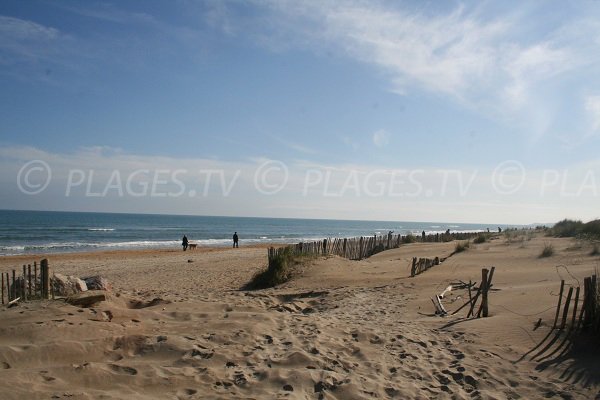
pixel 101 229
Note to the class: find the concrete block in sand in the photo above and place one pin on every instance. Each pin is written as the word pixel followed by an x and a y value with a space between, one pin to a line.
pixel 87 299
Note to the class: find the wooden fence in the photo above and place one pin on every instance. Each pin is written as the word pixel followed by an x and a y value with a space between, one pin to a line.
pixel 351 248
pixel 423 264
pixel 361 247
pixel 589 313
pixel 481 294
pixel 32 283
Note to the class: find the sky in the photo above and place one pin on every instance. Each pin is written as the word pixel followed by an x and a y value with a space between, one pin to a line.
pixel 378 110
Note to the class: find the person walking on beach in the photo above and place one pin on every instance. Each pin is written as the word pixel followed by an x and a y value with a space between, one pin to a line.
pixel 423 236
pixel 235 240
pixel 184 242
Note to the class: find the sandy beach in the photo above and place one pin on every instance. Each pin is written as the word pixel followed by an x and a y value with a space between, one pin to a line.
pixel 181 328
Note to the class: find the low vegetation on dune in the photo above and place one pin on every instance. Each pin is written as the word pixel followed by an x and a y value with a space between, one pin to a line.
pixel 410 238
pixel 574 228
pixel 462 246
pixel 547 251
pixel 481 238
pixel 280 270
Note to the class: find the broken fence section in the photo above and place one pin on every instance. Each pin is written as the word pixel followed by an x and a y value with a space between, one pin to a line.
pixel 33 282
pixel 480 295
pixel 579 313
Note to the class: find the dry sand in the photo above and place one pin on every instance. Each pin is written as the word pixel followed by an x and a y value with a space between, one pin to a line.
pixel 340 330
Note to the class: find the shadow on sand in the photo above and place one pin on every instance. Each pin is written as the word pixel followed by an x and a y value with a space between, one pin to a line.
pixel 573 355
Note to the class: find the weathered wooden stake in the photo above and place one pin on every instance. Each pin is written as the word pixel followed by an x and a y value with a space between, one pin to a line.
pixel 24 284
pixel 566 309
pixel 575 308
pixel 36 286
pixel 2 287
pixel 29 277
pixel 484 292
pixel 45 278
pixel 562 287
pixel 474 302
pixel 14 285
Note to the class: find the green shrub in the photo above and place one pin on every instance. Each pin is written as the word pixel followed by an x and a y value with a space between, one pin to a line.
pixel 548 250
pixel 481 238
pixel 567 228
pixel 280 270
pixel 410 238
pixel 591 228
pixel 462 246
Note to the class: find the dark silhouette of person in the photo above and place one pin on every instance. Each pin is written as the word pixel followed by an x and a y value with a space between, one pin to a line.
pixel 499 230
pixel 423 235
pixel 184 242
pixel 235 240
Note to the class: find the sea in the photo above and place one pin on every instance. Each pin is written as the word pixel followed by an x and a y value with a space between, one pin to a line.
pixel 32 232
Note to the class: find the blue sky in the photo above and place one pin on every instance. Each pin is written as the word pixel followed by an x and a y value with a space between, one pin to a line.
pixel 335 86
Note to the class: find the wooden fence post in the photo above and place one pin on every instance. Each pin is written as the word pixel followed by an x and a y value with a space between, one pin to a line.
pixel 23 283
pixel 360 247
pixel 45 271
pixel 562 287
pixel 15 293
pixel 484 292
pixel 29 277
pixel 575 308
pixel 566 310
pixel 2 287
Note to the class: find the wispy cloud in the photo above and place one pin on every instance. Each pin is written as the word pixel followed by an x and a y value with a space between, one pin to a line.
pixel 24 41
pixel 491 62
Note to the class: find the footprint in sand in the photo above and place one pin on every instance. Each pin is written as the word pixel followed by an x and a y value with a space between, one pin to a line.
pixel 186 392
pixel 5 365
pixel 120 369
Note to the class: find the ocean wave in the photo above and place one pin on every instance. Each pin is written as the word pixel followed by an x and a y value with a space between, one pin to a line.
pixel 82 246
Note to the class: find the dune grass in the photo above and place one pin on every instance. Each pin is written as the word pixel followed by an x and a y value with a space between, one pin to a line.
pixel 462 246
pixel 547 251
pixel 481 238
pixel 573 228
pixel 410 238
pixel 281 269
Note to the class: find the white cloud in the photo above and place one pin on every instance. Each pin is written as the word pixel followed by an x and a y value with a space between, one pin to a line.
pixel 486 61
pixel 381 138
pixel 18 29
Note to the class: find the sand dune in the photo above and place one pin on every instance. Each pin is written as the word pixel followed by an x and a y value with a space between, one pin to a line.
pixel 173 329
